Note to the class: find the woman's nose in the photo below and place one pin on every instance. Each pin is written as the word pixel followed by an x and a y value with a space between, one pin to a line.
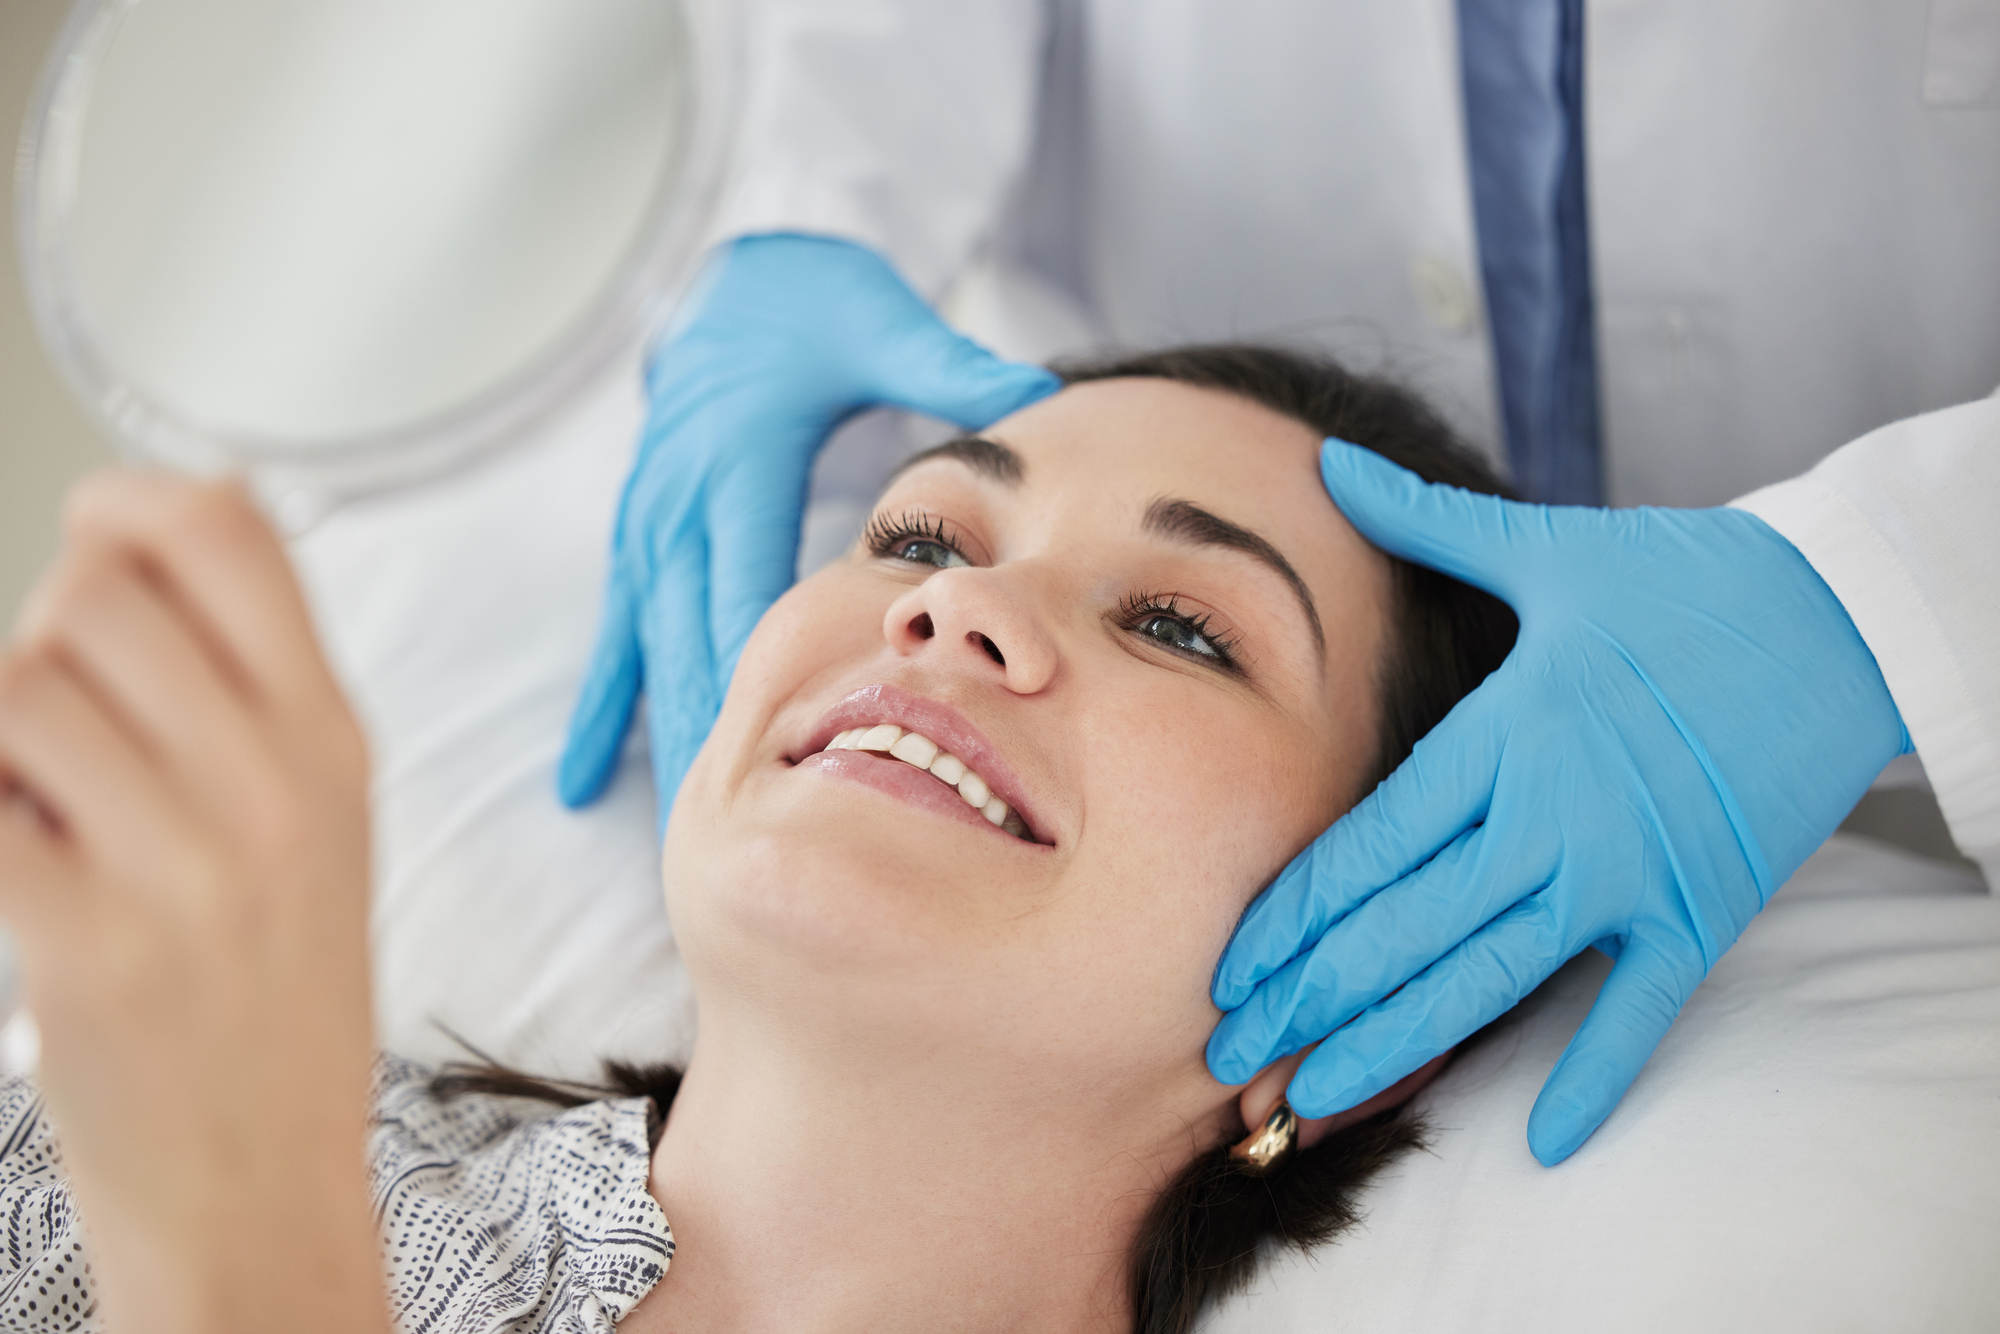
pixel 976 621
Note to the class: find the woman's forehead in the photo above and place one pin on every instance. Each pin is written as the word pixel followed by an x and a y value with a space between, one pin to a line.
pixel 1137 443
pixel 1160 431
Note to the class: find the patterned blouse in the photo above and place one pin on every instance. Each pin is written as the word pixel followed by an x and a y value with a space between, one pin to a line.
pixel 496 1213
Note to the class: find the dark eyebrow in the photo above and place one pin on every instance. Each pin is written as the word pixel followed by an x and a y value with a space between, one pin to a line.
pixel 989 458
pixel 1184 521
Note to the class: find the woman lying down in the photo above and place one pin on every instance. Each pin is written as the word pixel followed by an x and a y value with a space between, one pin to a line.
pixel 950 877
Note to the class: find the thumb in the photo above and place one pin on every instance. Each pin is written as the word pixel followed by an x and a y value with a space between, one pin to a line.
pixel 1477 538
pixel 939 373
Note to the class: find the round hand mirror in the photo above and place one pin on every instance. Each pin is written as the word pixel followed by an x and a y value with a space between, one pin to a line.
pixel 348 243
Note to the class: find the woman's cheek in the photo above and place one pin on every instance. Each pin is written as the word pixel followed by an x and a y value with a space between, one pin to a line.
pixel 825 619
pixel 1215 797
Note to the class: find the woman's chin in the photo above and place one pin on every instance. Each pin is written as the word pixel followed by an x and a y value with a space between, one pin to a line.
pixel 844 871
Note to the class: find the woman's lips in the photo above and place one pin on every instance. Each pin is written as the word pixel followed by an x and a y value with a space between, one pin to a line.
pixel 904 782
pixel 943 725
pixel 921 753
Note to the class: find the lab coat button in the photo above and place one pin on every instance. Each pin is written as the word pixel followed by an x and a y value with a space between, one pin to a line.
pixel 1443 292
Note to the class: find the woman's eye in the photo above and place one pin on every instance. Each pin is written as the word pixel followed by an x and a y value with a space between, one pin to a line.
pixel 915 537
pixel 1161 618
pixel 1177 633
pixel 924 551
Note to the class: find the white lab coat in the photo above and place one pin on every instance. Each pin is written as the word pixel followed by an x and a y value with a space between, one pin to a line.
pixel 1795 213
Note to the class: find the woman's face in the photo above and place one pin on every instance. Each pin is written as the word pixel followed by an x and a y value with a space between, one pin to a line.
pixel 1139 619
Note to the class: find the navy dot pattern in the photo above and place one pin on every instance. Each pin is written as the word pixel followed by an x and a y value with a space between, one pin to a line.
pixel 495 1213
pixel 45 1281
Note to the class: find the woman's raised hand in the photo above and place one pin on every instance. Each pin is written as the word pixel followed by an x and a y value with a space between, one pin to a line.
pixel 184 862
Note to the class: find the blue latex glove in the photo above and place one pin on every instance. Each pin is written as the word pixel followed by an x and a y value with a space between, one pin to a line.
pixel 783 338
pixel 1687 714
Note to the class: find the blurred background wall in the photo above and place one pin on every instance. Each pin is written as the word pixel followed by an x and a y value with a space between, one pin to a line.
pixel 46 441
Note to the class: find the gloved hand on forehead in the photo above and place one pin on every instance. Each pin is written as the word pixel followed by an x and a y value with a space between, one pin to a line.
pixel 1687 714
pixel 783 338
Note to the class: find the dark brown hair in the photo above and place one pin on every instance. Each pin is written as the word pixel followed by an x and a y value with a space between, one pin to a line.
pixel 1201 1237
pixel 1446 636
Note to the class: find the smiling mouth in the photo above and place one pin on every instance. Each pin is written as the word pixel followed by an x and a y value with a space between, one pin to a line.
pixel 920 752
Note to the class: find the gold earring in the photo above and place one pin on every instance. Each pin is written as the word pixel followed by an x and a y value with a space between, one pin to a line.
pixel 1270 1144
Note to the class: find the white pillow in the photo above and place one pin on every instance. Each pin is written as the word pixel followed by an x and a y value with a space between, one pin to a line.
pixel 460 615
pixel 1815 1147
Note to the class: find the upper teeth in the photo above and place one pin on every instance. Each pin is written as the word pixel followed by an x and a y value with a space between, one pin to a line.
pixel 916 749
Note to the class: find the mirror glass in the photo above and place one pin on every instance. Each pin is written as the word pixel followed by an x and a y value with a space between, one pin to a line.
pixel 290 224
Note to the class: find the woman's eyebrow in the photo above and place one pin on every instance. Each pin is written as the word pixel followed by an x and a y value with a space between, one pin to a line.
pixel 989 458
pixel 1186 522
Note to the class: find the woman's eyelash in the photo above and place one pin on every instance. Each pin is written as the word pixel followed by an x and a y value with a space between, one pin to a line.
pixel 1137 610
pixel 886 533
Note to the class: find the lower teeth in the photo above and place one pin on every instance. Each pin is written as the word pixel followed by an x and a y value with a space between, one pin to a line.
pixel 1012 824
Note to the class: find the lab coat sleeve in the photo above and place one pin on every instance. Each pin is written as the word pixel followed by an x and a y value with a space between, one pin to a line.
pixel 900 124
pixel 1901 525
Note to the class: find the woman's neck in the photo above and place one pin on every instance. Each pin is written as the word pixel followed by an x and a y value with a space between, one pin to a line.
pixel 807 1193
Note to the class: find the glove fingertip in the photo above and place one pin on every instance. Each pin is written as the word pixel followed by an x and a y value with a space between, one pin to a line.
pixel 979 389
pixel 1313 1094
pixel 1017 385
pixel 603 713
pixel 1249 1037
pixel 583 772
pixel 1226 1060
pixel 1558 1126
pixel 1342 462
pixel 596 736
pixel 1447 528
pixel 1267 936
pixel 1372 491
pixel 1233 981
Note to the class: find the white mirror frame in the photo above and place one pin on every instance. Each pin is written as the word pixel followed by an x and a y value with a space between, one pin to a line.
pixel 632 305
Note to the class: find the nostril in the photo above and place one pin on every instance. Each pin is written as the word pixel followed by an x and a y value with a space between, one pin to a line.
pixel 921 627
pixel 992 649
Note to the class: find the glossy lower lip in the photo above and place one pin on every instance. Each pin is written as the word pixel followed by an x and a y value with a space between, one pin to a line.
pixel 906 783
pixel 941 723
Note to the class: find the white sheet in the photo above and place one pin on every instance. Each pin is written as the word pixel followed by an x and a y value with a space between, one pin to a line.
pixel 461 615
pixel 1816 1146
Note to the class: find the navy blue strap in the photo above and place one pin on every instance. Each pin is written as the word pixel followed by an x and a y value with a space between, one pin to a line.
pixel 1522 64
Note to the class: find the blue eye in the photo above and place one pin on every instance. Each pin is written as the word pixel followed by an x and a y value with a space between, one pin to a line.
pixel 1177 634
pixel 913 537
pixel 924 551
pixel 1161 619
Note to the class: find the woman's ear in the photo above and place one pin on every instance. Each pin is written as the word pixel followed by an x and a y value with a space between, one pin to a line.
pixel 1261 1094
